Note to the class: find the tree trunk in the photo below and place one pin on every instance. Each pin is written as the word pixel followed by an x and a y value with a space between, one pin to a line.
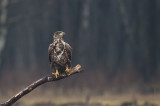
pixel 3 28
pixel 84 32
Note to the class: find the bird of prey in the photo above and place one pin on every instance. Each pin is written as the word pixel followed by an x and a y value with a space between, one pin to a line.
pixel 60 54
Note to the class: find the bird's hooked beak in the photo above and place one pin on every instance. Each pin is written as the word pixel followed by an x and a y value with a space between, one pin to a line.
pixel 62 34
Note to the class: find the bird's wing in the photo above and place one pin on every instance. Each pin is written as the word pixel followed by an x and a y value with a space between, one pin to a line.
pixel 50 49
pixel 69 51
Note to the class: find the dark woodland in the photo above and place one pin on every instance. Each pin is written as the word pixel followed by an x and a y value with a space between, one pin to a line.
pixel 116 41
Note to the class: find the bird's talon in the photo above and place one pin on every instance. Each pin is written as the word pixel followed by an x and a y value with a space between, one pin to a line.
pixel 56 73
pixel 67 69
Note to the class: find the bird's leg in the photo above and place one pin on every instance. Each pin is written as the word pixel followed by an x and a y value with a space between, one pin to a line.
pixel 67 69
pixel 56 73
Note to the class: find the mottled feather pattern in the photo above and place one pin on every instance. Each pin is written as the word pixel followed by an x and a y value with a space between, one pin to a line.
pixel 60 54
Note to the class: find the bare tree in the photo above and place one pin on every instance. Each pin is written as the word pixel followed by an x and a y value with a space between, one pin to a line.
pixel 39 82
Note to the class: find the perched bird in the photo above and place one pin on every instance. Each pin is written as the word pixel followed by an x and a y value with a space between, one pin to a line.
pixel 60 54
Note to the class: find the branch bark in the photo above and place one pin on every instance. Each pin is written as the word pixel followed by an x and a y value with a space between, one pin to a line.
pixel 39 82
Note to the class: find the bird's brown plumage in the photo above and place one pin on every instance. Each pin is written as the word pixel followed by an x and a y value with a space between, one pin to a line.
pixel 60 53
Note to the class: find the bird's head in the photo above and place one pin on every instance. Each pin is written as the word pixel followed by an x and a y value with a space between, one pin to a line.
pixel 58 35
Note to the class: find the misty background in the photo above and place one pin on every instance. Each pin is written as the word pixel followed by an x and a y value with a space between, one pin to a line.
pixel 115 41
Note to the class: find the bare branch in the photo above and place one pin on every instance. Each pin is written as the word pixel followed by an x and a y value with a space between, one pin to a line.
pixel 39 82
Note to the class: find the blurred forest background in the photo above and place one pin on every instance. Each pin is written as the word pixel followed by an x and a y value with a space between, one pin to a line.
pixel 116 41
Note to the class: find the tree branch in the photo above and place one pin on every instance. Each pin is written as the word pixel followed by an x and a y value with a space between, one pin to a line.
pixel 39 82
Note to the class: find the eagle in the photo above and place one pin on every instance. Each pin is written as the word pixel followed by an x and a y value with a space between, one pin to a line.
pixel 60 54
